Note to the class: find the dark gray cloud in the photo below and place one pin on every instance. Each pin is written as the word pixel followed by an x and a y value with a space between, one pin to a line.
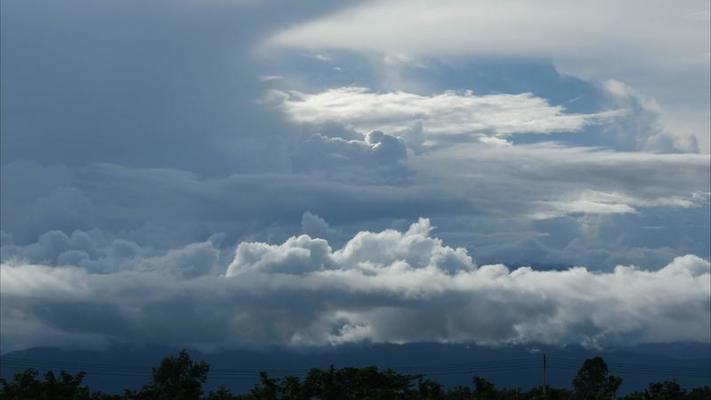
pixel 477 195
pixel 169 84
pixel 322 153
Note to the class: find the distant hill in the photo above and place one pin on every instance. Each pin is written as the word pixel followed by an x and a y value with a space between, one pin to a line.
pixel 120 367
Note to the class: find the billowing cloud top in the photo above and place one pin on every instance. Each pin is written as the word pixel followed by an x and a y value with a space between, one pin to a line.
pixel 387 286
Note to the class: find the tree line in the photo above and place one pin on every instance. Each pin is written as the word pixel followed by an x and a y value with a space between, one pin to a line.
pixel 180 377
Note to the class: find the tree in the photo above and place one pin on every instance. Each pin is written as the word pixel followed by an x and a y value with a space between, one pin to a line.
pixel 177 378
pixel 668 390
pixel 63 386
pixel 222 393
pixel 459 393
pixel 181 378
pixel 266 389
pixel 483 389
pixel 357 384
pixel 699 393
pixel 428 389
pixel 25 385
pixel 594 382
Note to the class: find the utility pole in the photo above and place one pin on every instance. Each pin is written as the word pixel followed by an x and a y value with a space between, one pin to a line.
pixel 545 383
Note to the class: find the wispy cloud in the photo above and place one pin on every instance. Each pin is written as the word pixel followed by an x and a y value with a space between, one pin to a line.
pixel 441 114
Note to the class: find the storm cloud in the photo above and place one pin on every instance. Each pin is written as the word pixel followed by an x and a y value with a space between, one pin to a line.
pixel 226 174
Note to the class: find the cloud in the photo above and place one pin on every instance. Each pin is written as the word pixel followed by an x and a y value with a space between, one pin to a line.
pixel 660 48
pixel 146 97
pixel 321 154
pixel 592 202
pixel 315 226
pixel 475 193
pixel 448 113
pixel 388 286
pixel 622 119
pixel 641 128
pixel 553 28
pixel 367 249
pixel 587 206
pixel 148 194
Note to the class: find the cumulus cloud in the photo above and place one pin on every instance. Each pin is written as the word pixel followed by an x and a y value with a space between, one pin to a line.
pixel 367 249
pixel 109 219
pixel 99 252
pixel 475 193
pixel 315 226
pixel 641 128
pixel 441 114
pixel 388 286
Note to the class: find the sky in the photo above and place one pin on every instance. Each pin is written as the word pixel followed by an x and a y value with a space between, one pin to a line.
pixel 228 174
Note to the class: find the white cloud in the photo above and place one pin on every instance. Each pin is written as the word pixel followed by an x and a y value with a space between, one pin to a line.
pixel 635 31
pixel 366 250
pixel 388 286
pixel 446 113
pixel 659 47
pixel 594 202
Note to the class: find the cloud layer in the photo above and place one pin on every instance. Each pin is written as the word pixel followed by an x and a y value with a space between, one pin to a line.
pixel 659 47
pixel 553 28
pixel 387 286
pixel 186 181
pixel 446 113
pixel 588 206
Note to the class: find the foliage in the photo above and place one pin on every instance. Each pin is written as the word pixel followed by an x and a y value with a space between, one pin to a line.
pixel 670 390
pixel 594 382
pixel 181 378
pixel 26 386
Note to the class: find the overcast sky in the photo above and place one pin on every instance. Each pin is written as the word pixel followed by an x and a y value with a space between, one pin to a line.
pixel 223 173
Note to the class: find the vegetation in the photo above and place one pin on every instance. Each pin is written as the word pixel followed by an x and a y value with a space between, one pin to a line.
pixel 181 378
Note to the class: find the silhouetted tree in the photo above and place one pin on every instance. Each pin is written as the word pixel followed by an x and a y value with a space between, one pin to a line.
pixel 266 389
pixel 459 393
pixel 291 389
pixel 483 389
pixel 177 378
pixel 222 393
pixel 699 393
pixel 357 384
pixel 427 389
pixel 64 386
pixel 25 385
pixel 668 390
pixel 181 378
pixel 594 382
